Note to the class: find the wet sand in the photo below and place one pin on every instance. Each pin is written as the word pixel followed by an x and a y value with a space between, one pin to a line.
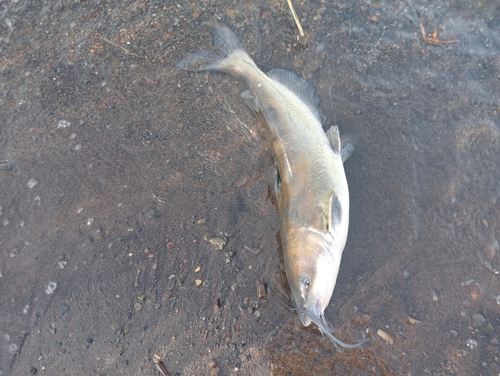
pixel 117 169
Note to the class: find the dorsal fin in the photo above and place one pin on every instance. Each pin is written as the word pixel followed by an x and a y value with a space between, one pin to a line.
pixel 299 86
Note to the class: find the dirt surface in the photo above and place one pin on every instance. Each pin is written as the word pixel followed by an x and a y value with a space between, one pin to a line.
pixel 121 177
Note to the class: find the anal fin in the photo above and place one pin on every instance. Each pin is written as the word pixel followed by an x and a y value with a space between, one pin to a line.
pixel 250 100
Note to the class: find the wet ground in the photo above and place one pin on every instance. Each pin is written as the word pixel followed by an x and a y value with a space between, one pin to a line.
pixel 121 177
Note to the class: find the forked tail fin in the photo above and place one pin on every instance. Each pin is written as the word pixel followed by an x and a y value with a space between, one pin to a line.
pixel 232 53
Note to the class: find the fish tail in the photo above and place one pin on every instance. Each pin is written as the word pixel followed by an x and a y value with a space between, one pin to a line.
pixel 232 54
pixel 225 39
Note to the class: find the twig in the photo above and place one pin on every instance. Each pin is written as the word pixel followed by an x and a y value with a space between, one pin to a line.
pixel 118 46
pixel 294 14
pixel 434 39
pixel 158 361
pixel 159 199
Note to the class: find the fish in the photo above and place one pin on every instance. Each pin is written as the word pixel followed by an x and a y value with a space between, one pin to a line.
pixel 311 187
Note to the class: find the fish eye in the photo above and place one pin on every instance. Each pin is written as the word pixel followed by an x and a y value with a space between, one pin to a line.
pixel 304 282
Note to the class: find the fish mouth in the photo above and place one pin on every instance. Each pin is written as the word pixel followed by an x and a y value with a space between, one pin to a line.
pixel 308 312
pixel 303 313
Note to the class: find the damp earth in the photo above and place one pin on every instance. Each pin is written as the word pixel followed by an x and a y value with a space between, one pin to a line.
pixel 137 215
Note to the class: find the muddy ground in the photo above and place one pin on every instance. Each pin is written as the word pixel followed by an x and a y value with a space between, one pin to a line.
pixel 117 169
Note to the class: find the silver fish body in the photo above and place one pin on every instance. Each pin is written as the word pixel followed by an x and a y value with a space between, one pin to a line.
pixel 311 186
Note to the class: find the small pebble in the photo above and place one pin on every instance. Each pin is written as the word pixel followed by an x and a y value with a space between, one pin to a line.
pixel 234 287
pixel 218 242
pixel 138 306
pixel 471 344
pixel 229 257
pixel 51 287
pixel 385 336
pixel 63 124
pixel 492 349
pixel 366 318
pixel 198 282
pixel 171 282
pixel 255 251
pixel 478 319
pixel 198 269
pixel 466 283
pixel 261 290
pixel 32 183
pixel 435 297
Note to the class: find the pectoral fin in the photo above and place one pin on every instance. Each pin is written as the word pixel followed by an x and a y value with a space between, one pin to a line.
pixel 344 150
pixel 335 216
pixel 334 138
pixel 347 150
pixel 277 183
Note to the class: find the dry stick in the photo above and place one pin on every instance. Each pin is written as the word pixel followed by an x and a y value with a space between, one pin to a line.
pixel 157 360
pixel 434 39
pixel 294 14
pixel 117 45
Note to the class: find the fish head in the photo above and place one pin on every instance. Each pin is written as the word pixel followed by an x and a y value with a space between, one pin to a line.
pixel 312 261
